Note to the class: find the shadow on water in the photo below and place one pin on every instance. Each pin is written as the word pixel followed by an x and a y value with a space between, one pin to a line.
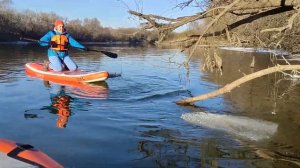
pixel 170 148
pixel 115 75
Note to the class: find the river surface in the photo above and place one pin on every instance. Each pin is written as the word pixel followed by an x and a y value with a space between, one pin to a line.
pixel 131 120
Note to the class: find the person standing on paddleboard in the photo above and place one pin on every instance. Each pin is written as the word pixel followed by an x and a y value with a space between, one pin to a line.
pixel 59 41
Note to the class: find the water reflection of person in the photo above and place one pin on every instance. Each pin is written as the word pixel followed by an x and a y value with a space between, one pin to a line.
pixel 60 103
pixel 60 100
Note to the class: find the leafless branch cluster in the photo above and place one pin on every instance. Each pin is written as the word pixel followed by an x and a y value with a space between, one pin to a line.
pixel 229 20
pixel 245 12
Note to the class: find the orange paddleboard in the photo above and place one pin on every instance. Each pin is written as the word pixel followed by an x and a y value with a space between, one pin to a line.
pixel 36 70
pixel 13 154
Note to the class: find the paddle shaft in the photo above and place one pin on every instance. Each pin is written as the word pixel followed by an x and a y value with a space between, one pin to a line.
pixel 109 54
pixel 33 40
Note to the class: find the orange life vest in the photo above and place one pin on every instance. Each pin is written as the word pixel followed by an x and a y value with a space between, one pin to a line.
pixel 59 42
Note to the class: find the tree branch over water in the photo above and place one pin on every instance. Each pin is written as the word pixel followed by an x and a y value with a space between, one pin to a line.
pixel 227 88
pixel 251 23
pixel 233 19
pixel 249 7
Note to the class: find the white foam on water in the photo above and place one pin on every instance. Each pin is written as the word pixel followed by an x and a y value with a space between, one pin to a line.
pixel 244 127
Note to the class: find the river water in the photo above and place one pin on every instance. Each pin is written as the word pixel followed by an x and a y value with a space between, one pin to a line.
pixel 131 120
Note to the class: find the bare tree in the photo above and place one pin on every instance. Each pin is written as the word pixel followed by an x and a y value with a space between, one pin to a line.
pixel 272 21
pixel 248 11
pixel 14 24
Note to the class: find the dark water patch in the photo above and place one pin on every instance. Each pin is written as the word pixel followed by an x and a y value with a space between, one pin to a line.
pixel 159 96
pixel 114 75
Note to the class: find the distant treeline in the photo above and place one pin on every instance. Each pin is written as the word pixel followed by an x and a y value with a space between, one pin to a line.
pixel 14 25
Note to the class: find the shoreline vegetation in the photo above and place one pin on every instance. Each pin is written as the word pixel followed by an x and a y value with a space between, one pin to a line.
pixel 30 24
pixel 270 24
pixel 19 42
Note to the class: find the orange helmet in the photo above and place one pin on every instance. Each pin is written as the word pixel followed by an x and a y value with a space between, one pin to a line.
pixel 58 22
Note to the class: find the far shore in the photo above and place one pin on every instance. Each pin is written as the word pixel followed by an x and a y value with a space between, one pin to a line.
pixel 86 43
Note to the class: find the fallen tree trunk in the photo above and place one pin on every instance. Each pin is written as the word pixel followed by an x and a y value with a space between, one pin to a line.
pixel 229 87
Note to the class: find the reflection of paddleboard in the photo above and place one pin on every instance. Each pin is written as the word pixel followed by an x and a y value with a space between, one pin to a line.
pixel 90 90
pixel 15 155
pixel 36 70
pixel 95 90
pixel 244 127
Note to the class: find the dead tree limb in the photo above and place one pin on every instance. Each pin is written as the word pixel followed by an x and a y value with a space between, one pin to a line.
pixel 211 24
pixel 289 25
pixel 165 28
pixel 227 88
pixel 274 11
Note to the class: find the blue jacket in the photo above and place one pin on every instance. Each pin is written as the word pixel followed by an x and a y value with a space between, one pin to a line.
pixel 45 41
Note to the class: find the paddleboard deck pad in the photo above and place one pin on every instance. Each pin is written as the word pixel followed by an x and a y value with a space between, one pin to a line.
pixel 85 76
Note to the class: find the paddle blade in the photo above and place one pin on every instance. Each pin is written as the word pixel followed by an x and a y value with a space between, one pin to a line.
pixel 109 54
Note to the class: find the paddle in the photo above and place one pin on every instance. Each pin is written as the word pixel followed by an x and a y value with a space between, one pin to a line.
pixel 109 54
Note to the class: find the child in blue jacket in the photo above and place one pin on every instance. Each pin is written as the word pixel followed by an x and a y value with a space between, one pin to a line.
pixel 59 41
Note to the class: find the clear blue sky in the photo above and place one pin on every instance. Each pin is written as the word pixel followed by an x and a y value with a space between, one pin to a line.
pixel 111 13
